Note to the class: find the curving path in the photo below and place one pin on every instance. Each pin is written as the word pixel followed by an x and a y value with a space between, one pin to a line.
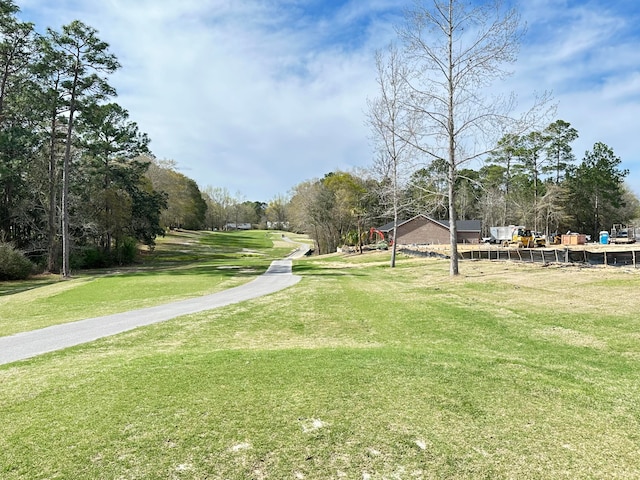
pixel 29 344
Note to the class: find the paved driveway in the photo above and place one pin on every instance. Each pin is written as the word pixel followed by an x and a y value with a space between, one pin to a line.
pixel 28 344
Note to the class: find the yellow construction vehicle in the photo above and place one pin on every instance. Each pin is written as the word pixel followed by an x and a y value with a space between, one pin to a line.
pixel 539 239
pixel 521 237
pixel 516 235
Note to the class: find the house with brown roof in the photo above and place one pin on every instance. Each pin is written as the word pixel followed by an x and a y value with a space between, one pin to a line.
pixel 424 230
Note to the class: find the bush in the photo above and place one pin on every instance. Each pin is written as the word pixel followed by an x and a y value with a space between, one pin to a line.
pixel 127 251
pixel 382 245
pixel 90 257
pixel 13 264
pixel 96 257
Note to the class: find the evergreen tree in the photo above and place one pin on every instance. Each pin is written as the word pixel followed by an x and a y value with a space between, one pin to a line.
pixel 85 57
pixel 595 190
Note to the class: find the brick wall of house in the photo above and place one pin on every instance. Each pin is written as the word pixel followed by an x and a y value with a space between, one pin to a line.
pixel 422 231
pixel 468 237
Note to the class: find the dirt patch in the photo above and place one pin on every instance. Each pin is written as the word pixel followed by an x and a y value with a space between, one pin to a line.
pixel 572 337
pixel 311 424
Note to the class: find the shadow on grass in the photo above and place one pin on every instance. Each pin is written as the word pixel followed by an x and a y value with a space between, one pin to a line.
pixel 12 288
pixel 319 269
pixel 225 270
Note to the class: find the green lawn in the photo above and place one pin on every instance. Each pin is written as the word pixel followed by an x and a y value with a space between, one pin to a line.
pixel 183 265
pixel 357 372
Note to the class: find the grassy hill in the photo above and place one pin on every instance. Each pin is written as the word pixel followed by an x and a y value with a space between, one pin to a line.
pixel 358 371
pixel 183 265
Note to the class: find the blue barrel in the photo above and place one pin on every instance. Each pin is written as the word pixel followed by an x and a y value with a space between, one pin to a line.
pixel 604 238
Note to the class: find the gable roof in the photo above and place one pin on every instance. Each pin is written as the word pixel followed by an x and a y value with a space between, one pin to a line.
pixel 462 225
pixel 465 225
pixel 387 227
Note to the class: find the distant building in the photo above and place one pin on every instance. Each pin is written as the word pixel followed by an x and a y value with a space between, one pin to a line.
pixel 424 230
pixel 237 226
pixel 278 225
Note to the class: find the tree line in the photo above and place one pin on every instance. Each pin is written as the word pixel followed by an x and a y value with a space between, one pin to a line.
pixel 437 115
pixel 533 180
pixel 72 164
pixel 79 186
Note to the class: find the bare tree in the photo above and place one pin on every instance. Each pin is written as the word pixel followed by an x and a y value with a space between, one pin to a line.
pixel 456 50
pixel 390 121
pixel 277 213
pixel 551 207
pixel 219 202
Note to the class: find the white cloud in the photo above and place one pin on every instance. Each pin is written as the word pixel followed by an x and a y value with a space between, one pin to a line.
pixel 259 96
pixel 587 55
pixel 236 92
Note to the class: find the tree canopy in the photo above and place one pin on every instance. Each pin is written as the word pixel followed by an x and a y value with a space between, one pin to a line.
pixel 72 179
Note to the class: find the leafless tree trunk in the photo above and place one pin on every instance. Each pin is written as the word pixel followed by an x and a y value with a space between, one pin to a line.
pixel 52 247
pixel 456 49
pixel 391 123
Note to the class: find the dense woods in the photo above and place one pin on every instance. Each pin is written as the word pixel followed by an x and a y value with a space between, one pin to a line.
pixel 79 185
pixel 73 166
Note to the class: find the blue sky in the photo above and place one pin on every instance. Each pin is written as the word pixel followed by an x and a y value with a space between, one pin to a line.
pixel 259 95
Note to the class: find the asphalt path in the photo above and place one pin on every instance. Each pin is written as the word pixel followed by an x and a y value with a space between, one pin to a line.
pixel 29 344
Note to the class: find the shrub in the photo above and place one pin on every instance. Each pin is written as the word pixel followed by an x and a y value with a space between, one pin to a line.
pixel 94 257
pixel 13 264
pixel 382 245
pixel 127 251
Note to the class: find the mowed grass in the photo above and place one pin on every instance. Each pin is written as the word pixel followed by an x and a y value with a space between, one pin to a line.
pixel 356 372
pixel 183 265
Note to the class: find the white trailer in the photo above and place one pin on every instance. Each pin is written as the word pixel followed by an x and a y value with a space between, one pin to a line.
pixel 502 234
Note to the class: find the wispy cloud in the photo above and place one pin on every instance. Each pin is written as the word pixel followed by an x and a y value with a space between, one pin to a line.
pixel 258 96
pixel 587 54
